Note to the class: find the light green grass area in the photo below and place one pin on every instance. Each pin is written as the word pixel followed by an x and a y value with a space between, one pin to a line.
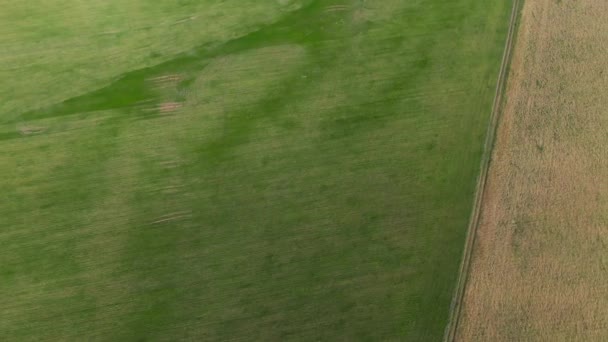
pixel 239 169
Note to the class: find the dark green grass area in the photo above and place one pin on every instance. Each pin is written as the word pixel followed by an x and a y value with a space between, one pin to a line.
pixel 305 176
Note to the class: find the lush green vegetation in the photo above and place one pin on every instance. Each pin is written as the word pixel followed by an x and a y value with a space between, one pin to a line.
pixel 239 169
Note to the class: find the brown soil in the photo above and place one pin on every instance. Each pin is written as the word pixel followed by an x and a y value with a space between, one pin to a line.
pixel 169 107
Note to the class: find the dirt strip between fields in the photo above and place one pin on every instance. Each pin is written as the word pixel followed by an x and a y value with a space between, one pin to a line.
pixel 456 307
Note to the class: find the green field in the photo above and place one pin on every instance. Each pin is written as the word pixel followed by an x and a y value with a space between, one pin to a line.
pixel 239 169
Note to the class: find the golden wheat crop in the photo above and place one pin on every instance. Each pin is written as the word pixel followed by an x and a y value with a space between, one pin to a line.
pixel 539 268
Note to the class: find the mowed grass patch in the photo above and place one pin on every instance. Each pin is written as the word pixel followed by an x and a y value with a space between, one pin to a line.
pixel 306 174
pixel 538 269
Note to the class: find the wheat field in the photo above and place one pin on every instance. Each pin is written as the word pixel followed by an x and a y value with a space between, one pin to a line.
pixel 539 264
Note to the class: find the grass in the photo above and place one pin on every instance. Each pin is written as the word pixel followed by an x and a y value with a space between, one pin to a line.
pixel 247 170
pixel 538 269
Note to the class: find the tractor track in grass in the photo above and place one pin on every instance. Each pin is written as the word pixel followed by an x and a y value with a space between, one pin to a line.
pixel 456 307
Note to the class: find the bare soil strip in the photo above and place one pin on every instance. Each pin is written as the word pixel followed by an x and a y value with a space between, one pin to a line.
pixel 456 307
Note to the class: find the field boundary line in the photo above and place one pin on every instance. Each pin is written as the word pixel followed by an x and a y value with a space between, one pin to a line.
pixel 461 284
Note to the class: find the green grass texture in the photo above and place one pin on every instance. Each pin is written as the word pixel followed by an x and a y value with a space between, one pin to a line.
pixel 247 170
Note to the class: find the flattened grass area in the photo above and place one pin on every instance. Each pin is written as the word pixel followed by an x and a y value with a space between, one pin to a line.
pixel 239 169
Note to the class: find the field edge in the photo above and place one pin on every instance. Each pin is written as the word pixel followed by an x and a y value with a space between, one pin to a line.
pixel 497 109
